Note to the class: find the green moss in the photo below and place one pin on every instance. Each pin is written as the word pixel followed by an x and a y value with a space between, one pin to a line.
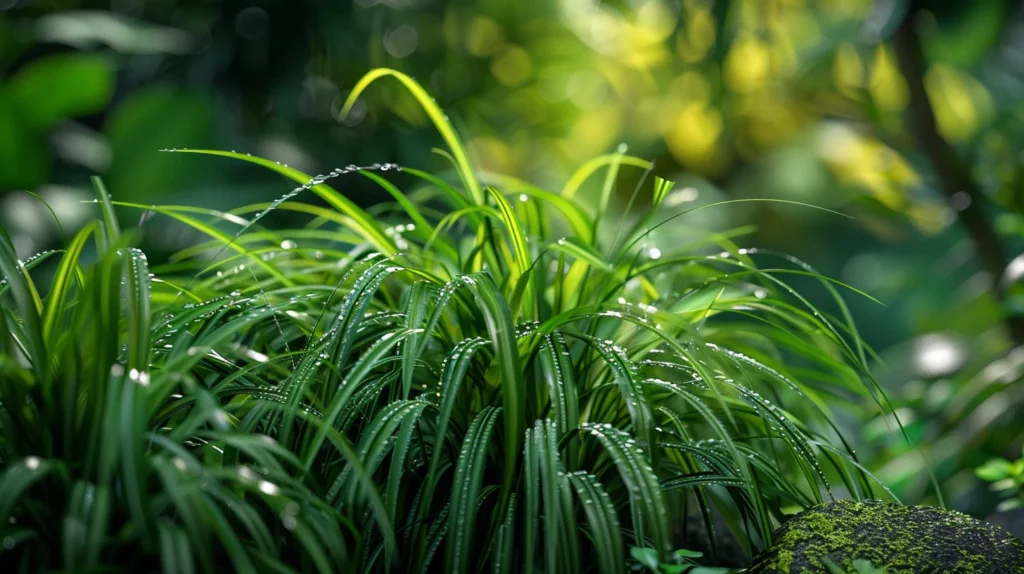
pixel 891 536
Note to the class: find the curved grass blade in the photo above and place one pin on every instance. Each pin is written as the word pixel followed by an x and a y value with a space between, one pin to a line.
pixel 438 117
pixel 650 515
pixel 501 331
pixel 584 172
pixel 27 305
pixel 365 225
pixel 466 488
pixel 603 521
pixel 56 299
pixel 107 209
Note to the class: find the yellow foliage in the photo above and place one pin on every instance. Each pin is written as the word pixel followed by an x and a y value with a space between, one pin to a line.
pixel 960 102
pixel 845 9
pixel 491 154
pixel 698 36
pixel 484 37
pixel 594 133
pixel 693 137
pixel 691 87
pixel 847 71
pixel 769 120
pixel 887 87
pixel 782 54
pixel 656 20
pixel 747 64
pixel 513 66
pixel 866 162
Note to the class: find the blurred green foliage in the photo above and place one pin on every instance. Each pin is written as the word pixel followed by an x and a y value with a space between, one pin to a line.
pixel 1006 478
pixel 38 97
pixel 790 99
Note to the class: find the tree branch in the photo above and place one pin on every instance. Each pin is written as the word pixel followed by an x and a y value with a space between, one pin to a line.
pixel 953 175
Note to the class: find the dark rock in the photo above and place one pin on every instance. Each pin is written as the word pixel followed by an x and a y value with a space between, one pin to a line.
pixel 727 550
pixel 891 536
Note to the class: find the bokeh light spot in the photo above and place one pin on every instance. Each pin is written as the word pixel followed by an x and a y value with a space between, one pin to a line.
pixel 251 23
pixel 401 41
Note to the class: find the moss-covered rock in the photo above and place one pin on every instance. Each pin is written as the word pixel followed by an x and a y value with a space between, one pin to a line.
pixel 891 536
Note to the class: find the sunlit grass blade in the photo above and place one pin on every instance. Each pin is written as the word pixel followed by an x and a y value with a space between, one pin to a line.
pixel 582 253
pixel 661 189
pixel 582 173
pixel 516 235
pixel 112 228
pixel 437 117
pixel 57 296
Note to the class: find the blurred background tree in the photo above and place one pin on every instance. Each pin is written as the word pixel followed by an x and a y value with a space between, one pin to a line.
pixel 907 115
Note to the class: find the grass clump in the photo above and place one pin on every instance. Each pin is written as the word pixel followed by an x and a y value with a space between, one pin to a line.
pixel 481 375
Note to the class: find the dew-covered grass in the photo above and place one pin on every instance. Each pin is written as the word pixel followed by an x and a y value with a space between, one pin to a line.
pixel 480 375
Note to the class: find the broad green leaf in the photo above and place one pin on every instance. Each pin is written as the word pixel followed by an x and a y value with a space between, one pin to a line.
pixel 993 470
pixel 61 86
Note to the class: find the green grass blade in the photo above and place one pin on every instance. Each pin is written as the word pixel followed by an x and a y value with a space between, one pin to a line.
pixel 515 231
pixel 584 172
pixel 27 305
pixel 501 331
pixel 62 281
pixel 365 225
pixel 437 117
pixel 107 209
pixel 582 253
pixel 603 521
pixel 647 502
pixel 466 488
